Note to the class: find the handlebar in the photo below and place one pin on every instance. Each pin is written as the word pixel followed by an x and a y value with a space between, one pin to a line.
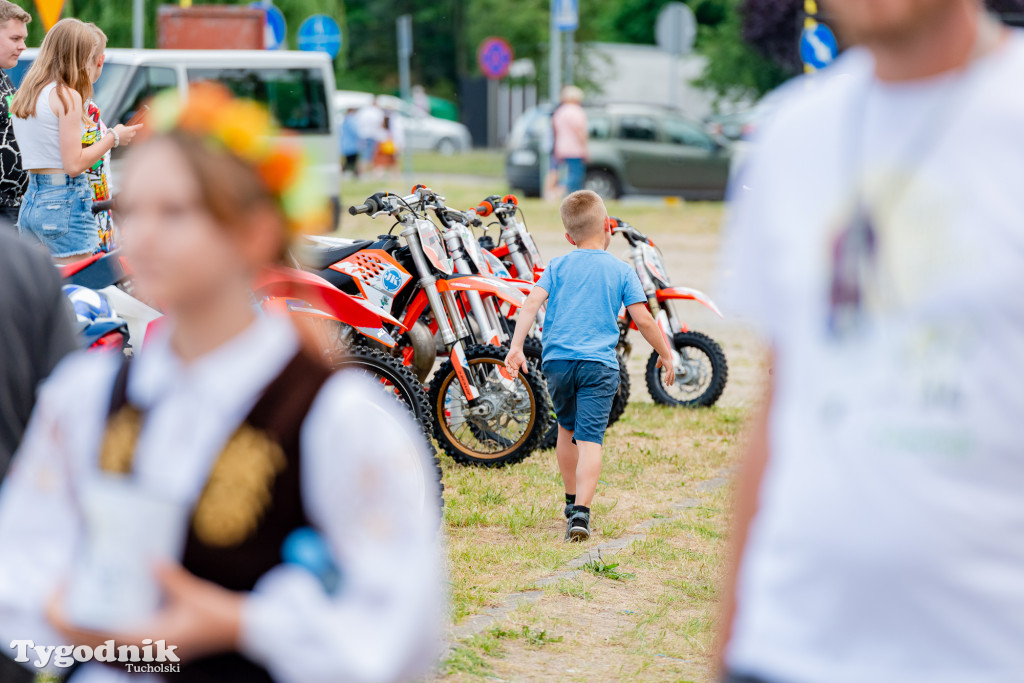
pixel 499 206
pixel 631 234
pixel 103 205
pixel 388 202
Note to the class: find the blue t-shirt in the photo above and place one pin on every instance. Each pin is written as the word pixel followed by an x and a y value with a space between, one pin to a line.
pixel 586 289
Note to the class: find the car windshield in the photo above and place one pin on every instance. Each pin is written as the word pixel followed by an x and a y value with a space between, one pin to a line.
pixel 296 97
pixel 104 89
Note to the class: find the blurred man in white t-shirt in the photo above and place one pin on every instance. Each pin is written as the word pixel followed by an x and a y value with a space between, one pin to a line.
pixel 877 240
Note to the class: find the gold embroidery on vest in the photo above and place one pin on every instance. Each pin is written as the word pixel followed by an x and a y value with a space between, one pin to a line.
pixel 237 491
pixel 118 448
pixel 239 488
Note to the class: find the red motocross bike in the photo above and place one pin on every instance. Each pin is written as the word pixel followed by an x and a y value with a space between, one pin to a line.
pixel 481 415
pixel 700 365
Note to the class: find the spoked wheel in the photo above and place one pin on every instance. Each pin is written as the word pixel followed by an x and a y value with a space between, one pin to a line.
pixel 394 378
pixel 398 382
pixel 503 427
pixel 700 378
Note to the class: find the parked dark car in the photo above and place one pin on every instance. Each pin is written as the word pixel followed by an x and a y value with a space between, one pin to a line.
pixel 633 149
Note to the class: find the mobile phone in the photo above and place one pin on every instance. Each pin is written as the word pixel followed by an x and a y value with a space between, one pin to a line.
pixel 139 115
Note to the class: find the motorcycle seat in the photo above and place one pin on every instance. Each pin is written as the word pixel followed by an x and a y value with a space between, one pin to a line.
pixel 320 257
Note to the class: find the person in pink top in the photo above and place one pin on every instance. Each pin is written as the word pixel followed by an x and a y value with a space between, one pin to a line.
pixel 569 124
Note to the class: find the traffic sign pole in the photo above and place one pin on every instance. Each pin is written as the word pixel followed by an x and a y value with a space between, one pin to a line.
pixel 403 26
pixel 675 31
pixel 570 57
pixel 139 24
pixel 555 57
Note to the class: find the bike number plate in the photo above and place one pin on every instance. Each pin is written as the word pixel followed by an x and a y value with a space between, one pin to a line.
pixel 433 248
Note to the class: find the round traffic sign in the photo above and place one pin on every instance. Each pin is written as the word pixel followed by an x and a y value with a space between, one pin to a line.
pixel 275 30
pixel 494 57
pixel 818 46
pixel 676 29
pixel 320 33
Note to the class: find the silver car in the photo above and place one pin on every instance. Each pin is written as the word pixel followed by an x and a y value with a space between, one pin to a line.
pixel 422 131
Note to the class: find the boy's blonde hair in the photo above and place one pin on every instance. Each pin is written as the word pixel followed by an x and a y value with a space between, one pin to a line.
pixel 583 214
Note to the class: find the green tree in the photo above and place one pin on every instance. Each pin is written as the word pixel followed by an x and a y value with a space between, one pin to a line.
pixel 633 22
pixel 735 69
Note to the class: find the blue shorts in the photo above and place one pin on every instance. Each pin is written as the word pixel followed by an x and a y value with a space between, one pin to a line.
pixel 575 174
pixel 582 392
pixel 57 210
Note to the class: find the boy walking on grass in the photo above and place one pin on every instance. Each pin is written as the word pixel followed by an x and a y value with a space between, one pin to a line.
pixel 585 290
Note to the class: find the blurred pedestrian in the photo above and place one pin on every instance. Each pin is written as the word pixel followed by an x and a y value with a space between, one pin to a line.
pixel 569 126
pixel 370 125
pixel 420 99
pixel 228 420
pixel 391 144
pixel 350 142
pixel 13 179
pixel 49 114
pixel 879 523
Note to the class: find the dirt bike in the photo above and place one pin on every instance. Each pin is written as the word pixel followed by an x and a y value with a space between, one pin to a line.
pixel 700 364
pixel 481 415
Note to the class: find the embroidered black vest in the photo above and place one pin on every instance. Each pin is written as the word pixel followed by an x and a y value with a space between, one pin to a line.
pixel 251 501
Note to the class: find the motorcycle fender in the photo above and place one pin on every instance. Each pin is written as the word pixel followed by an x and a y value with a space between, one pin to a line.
pixel 288 283
pixel 485 285
pixel 691 294
pixel 523 286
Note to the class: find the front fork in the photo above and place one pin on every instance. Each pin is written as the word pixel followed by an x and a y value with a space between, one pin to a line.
pixel 450 324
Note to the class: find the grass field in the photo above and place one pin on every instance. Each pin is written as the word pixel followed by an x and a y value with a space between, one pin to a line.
pixel 524 605
pixel 484 163
pixel 638 601
pixel 645 611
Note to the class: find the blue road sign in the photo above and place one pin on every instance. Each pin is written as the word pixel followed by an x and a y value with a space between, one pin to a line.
pixel 494 57
pixel 275 31
pixel 320 33
pixel 567 14
pixel 818 46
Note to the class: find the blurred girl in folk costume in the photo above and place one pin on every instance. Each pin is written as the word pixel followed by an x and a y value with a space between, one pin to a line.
pixel 240 435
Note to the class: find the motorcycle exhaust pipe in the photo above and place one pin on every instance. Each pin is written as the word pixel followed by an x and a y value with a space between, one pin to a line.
pixel 424 350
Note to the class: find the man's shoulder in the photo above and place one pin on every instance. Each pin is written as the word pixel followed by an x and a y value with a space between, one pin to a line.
pixel 807 103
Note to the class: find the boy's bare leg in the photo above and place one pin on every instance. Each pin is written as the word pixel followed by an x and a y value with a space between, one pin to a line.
pixel 568 458
pixel 588 471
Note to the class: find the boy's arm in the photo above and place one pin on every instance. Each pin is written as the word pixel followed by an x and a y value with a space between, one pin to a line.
pixel 516 359
pixel 641 315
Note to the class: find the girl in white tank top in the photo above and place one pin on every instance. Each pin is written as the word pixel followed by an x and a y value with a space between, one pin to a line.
pixel 48 117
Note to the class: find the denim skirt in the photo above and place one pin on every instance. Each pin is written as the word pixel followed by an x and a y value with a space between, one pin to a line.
pixel 57 210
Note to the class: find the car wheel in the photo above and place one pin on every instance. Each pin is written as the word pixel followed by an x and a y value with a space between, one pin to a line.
pixel 602 182
pixel 447 147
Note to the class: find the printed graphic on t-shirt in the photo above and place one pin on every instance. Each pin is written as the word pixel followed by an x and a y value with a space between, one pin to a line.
pixel 13 180
pixel 97 174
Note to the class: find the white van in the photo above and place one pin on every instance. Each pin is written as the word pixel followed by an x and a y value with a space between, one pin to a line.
pixel 297 87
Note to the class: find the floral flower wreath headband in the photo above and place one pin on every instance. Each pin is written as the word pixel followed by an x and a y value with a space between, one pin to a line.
pixel 247 130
